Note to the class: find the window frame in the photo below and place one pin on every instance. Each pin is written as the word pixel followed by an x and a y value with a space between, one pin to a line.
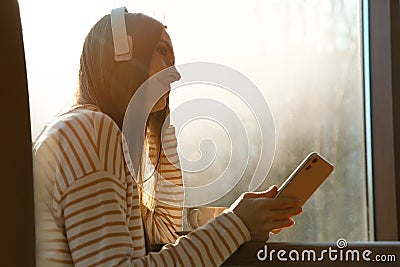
pixel 382 62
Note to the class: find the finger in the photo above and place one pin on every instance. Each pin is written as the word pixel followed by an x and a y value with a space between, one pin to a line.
pixel 279 203
pixel 284 213
pixel 279 224
pixel 269 193
pixel 275 231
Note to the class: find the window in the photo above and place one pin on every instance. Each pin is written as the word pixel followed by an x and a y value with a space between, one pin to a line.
pixel 304 56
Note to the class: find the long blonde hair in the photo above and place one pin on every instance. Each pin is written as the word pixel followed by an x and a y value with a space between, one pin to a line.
pixel 109 85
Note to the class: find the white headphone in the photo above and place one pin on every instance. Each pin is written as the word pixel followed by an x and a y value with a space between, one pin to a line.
pixel 123 43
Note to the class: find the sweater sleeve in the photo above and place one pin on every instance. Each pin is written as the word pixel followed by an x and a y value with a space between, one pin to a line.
pixel 209 245
pixel 98 233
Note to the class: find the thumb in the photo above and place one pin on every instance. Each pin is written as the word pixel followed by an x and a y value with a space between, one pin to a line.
pixel 269 193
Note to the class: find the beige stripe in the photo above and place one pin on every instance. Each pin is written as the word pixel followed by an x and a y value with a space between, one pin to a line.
pixel 169 131
pixel 229 231
pixel 170 155
pixel 53 240
pixel 163 259
pixel 107 141
pixel 80 222
pixel 237 227
pixel 169 207
pixel 109 259
pixel 155 262
pixel 57 250
pixel 168 253
pixel 172 185
pixel 90 183
pixel 59 261
pixel 136 237
pixel 60 192
pixel 65 156
pixel 215 245
pixel 102 118
pixel 48 231
pixel 47 220
pixel 172 178
pixel 169 193
pixel 153 230
pixel 82 144
pixel 194 247
pixel 94 229
pixel 168 215
pixel 169 140
pixel 95 194
pixel 89 135
pixel 105 202
pixel 117 147
pixel 168 137
pixel 57 160
pixel 137 217
pixel 134 228
pixel 174 201
pixel 222 239
pixel 168 171
pixel 73 149
pixel 179 257
pixel 172 224
pixel 142 261
pixel 221 224
pixel 93 253
pixel 189 256
pixel 89 118
pixel 205 246
pixel 138 247
pixel 100 239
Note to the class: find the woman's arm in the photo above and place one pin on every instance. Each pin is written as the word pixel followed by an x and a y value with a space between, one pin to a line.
pixel 98 233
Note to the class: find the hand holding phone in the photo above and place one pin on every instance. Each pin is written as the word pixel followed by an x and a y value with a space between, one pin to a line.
pixel 306 178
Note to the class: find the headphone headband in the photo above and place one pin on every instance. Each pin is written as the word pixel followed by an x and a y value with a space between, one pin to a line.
pixel 123 44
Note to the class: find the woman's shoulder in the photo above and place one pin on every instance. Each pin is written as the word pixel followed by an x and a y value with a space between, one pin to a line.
pixel 84 122
pixel 85 115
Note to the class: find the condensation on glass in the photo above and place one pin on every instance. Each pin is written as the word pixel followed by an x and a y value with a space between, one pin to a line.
pixel 306 58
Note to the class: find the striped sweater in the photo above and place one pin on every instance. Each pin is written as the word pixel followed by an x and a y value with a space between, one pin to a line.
pixel 88 211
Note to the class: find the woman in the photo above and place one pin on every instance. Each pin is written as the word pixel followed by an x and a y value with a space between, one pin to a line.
pixel 90 211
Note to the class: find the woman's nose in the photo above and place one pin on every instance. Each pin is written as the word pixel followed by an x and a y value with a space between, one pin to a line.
pixel 173 74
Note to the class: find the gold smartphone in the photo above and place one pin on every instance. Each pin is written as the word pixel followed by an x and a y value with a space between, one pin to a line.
pixel 306 178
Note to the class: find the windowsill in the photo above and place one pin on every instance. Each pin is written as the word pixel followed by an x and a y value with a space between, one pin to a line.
pixel 246 255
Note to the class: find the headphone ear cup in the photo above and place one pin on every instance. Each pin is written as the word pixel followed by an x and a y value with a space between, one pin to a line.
pixel 123 43
pixel 129 55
